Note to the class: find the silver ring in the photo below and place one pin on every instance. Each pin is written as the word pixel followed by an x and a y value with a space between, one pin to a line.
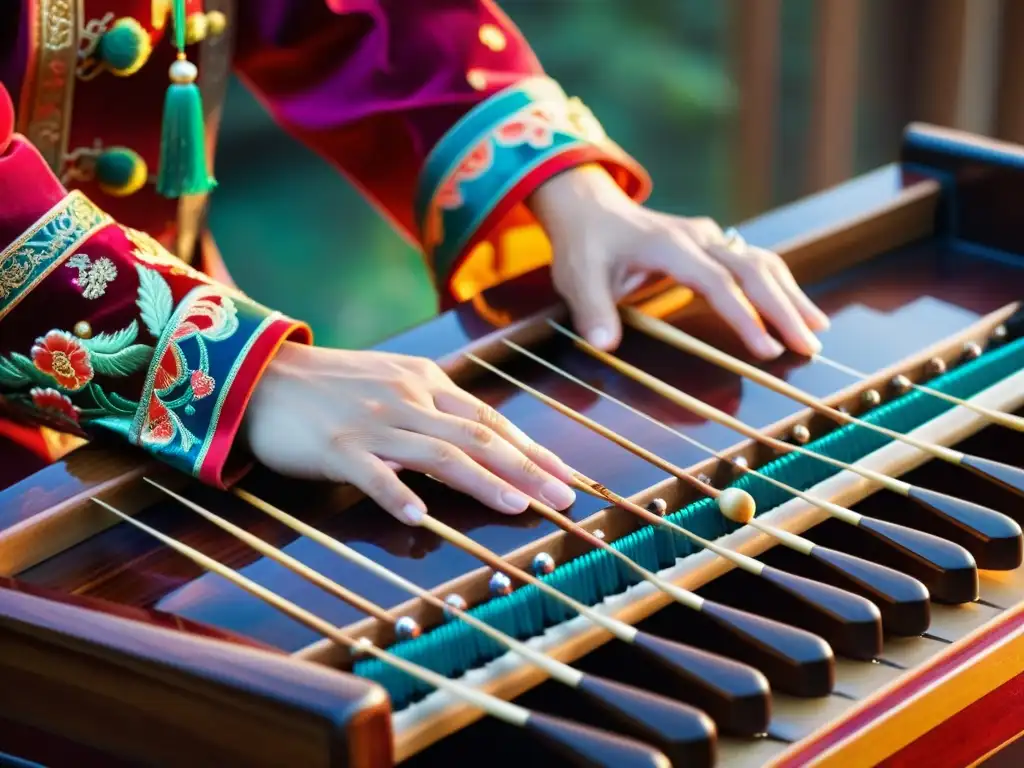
pixel 734 240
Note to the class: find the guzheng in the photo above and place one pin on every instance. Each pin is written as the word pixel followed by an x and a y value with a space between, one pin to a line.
pixel 809 562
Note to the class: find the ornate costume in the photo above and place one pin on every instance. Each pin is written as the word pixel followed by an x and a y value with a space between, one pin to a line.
pixel 438 111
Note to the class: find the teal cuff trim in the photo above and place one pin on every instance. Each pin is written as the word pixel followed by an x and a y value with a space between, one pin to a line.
pixel 492 151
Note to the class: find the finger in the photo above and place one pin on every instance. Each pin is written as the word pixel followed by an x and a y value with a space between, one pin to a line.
pixel 586 286
pixel 378 481
pixel 767 295
pixel 489 449
pixel 453 467
pixel 814 317
pixel 458 402
pixel 681 259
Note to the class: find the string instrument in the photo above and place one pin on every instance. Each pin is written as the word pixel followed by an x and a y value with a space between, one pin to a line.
pixel 805 562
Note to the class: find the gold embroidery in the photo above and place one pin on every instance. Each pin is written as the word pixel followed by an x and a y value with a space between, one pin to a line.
pixel 44 246
pixel 45 112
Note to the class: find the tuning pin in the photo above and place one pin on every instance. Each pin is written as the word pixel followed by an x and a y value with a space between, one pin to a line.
pixel 901 384
pixel 801 434
pixel 407 628
pixel 500 584
pixel 658 506
pixel 871 398
pixel 740 465
pixel 936 366
pixel 458 602
pixel 972 350
pixel 999 333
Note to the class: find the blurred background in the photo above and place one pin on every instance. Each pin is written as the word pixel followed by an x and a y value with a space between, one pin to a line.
pixel 738 106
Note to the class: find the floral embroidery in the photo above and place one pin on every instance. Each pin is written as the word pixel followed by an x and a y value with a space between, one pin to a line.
pixel 62 356
pixel 534 126
pixel 149 251
pixel 93 276
pixel 52 402
pixel 202 384
pixel 33 255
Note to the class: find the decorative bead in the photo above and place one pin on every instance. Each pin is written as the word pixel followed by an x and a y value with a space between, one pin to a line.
pixel 83 330
pixel 936 366
pixel 901 384
pixel 999 333
pixel 871 398
pixel 216 23
pixel 493 37
pixel 196 27
pixel 183 72
pixel 458 602
pixel 500 584
pixel 407 628
pixel 972 350
pixel 658 506
pixel 801 434
pixel 125 47
pixel 476 79
pixel 543 564
pixel 121 171
pixel 599 534
pixel 740 465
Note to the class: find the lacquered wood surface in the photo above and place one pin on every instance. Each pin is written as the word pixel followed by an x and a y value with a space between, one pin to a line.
pixel 882 312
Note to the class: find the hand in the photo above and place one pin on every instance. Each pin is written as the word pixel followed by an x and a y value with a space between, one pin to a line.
pixel 605 245
pixel 355 417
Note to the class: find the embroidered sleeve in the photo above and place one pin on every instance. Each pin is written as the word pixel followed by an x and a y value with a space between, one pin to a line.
pixel 470 198
pixel 101 330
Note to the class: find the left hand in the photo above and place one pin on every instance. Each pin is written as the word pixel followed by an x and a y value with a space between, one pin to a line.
pixel 605 245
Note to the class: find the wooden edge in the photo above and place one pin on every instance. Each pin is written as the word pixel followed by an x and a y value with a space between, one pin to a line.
pixel 187 699
pixel 898 714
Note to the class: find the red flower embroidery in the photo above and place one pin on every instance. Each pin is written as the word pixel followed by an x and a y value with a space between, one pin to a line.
pixel 533 127
pixel 202 384
pixel 60 355
pixel 53 402
pixel 448 195
pixel 476 162
pixel 159 427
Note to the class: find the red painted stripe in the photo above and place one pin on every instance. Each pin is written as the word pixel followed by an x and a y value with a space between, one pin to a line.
pixel 915 682
pixel 970 734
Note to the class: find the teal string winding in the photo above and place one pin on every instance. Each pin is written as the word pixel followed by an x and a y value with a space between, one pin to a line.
pixel 453 648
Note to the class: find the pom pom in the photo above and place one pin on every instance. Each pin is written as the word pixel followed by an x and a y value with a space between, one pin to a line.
pixel 125 47
pixel 121 172
pixel 196 27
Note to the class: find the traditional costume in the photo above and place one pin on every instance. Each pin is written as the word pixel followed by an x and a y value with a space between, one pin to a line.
pixel 116 314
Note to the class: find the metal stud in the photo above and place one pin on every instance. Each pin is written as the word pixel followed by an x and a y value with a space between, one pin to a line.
pixel 871 398
pixel 901 384
pixel 598 533
pixel 658 506
pixel 543 563
pixel 407 628
pixel 972 350
pixel 458 602
pixel 500 584
pixel 740 465
pixel 999 333
pixel 801 434
pixel 936 366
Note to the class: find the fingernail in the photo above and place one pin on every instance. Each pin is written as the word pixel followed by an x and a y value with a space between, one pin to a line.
pixel 600 337
pixel 514 502
pixel 413 514
pixel 557 495
pixel 769 347
pixel 822 322
pixel 813 343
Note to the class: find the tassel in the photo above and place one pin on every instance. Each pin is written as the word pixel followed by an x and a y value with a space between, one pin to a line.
pixel 184 169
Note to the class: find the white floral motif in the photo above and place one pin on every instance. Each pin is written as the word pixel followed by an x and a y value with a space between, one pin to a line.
pixel 93 276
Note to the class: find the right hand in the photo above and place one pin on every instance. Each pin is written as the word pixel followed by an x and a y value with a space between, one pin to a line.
pixel 352 417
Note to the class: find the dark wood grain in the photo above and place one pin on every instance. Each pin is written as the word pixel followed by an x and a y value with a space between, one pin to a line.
pixel 142 693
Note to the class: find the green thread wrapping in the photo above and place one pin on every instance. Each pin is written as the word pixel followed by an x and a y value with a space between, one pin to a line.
pixel 454 648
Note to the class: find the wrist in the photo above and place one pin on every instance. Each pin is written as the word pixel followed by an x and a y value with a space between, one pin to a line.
pixel 563 199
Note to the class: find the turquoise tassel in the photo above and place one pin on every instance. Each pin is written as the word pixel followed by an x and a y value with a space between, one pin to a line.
pixel 184 169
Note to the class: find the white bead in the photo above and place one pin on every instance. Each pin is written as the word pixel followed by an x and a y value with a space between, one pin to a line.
pixel 183 72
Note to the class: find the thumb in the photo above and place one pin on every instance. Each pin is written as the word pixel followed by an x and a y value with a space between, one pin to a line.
pixel 583 280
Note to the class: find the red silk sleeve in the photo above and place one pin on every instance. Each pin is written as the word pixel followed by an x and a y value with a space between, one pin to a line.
pixel 384 90
pixel 102 330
